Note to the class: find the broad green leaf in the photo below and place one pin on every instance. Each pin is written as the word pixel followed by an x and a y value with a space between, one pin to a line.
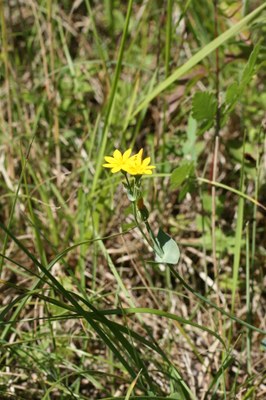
pixel 204 106
pixel 171 252
pixel 180 174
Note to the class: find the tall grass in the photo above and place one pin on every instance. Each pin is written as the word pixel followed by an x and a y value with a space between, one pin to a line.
pixel 85 312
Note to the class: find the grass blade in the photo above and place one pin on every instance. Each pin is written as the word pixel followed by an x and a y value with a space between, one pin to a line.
pixel 199 56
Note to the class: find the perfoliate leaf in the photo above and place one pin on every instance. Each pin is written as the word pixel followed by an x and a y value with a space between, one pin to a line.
pixel 130 195
pixel 204 106
pixel 180 174
pixel 170 249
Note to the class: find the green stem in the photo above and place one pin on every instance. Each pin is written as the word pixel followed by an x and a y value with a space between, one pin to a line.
pixel 128 183
pixel 139 226
pixel 138 195
pixel 156 248
pixel 248 343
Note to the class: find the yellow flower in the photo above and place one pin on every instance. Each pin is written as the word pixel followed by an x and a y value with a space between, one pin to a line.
pixel 137 166
pixel 118 161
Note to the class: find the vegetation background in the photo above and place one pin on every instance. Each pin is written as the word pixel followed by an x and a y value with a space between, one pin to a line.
pixel 85 314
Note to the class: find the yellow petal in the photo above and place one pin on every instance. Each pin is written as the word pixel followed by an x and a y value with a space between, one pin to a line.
pixel 146 161
pixel 109 159
pixel 139 155
pixel 117 154
pixel 126 154
pixel 131 171
pixel 108 165
pixel 115 169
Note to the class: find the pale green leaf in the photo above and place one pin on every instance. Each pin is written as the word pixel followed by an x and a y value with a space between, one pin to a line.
pixel 171 252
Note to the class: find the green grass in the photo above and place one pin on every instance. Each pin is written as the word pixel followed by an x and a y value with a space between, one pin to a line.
pixel 85 312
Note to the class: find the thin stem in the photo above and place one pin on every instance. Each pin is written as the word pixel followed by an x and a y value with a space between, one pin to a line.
pixel 137 195
pixel 248 300
pixel 53 85
pixel 128 183
pixel 139 226
pixel 156 248
pixel 168 36
pixel 5 57
pixel 215 164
